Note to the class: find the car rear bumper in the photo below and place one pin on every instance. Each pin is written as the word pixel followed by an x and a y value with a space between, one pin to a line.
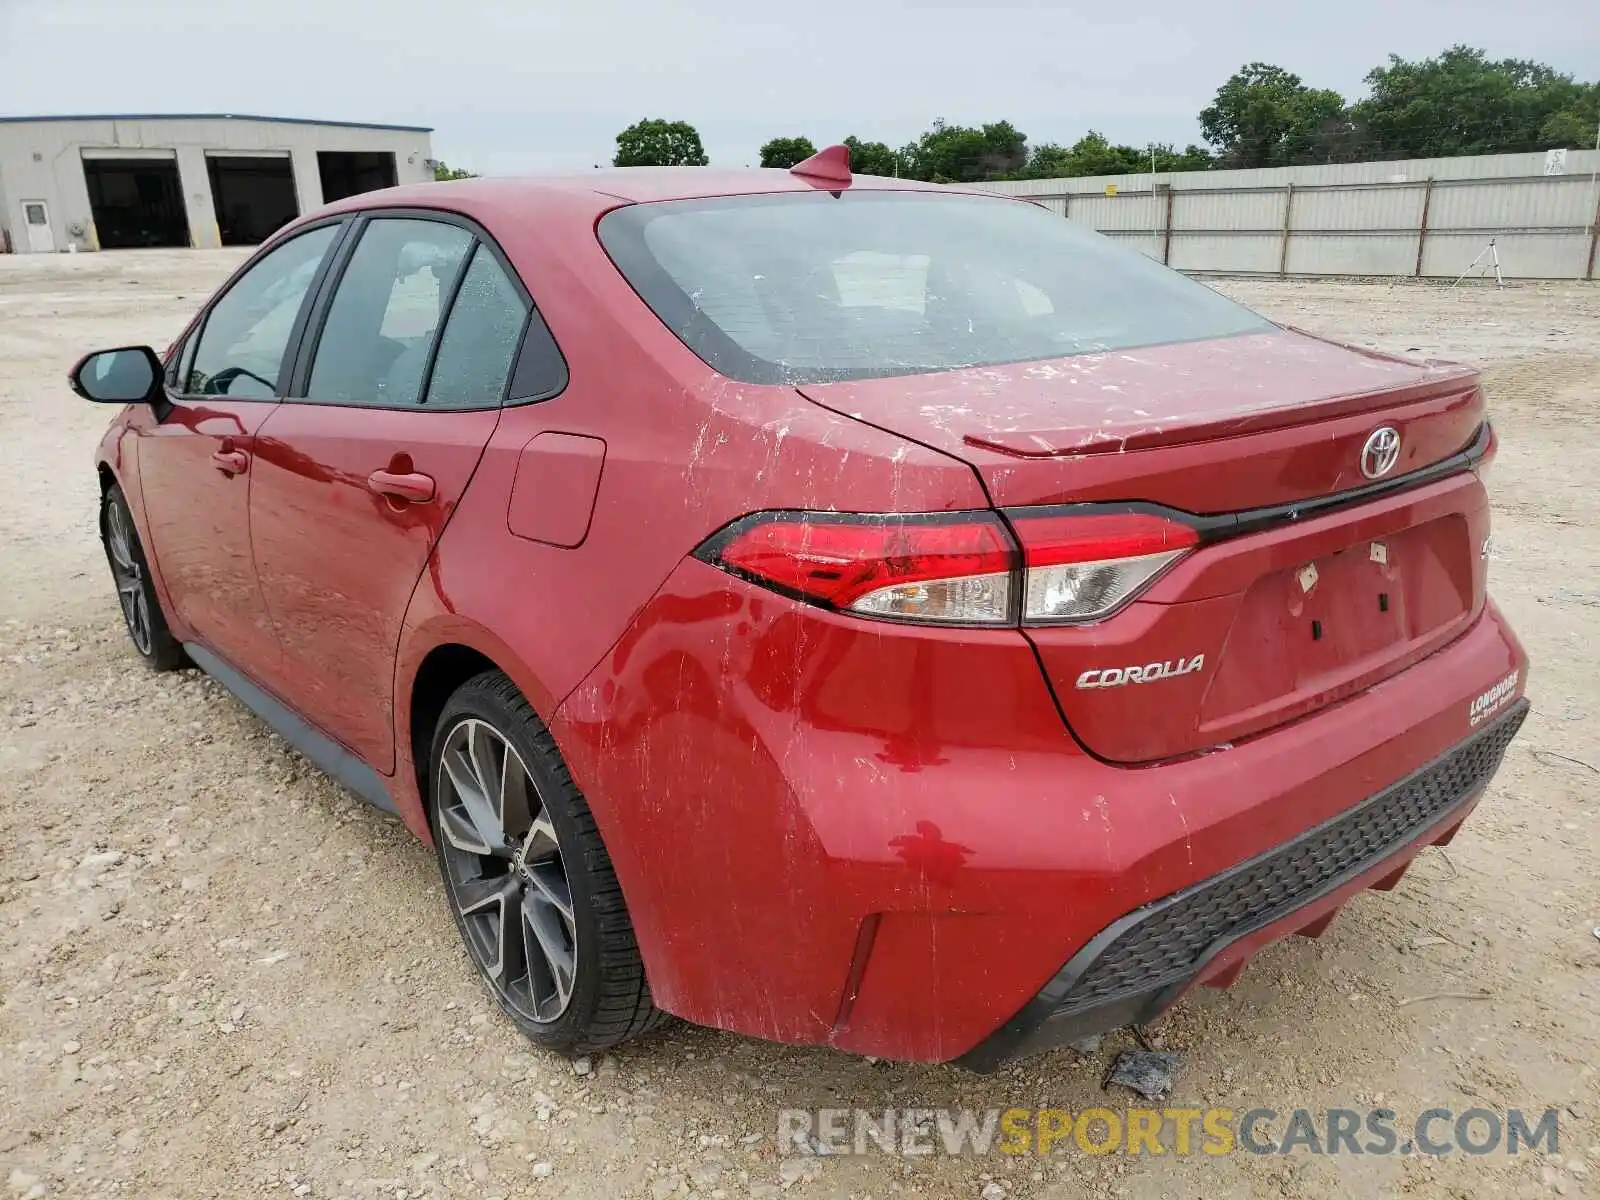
pixel 883 838
pixel 1136 967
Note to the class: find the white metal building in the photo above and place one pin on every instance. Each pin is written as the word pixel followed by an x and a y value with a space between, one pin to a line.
pixel 108 182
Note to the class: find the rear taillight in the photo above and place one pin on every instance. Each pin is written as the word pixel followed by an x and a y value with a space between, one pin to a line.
pixel 954 568
pixel 1084 566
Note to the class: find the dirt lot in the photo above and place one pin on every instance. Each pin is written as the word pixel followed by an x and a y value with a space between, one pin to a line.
pixel 222 976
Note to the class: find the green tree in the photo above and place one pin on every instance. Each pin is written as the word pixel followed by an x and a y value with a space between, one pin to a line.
pixel 659 143
pixel 1462 102
pixel 871 158
pixel 1190 158
pixel 1049 161
pixel 961 154
pixel 1093 154
pixel 1572 128
pixel 786 151
pixel 443 172
pixel 1264 116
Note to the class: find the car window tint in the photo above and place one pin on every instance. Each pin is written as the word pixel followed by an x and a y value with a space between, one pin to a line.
pixel 240 349
pixel 807 287
pixel 480 338
pixel 380 328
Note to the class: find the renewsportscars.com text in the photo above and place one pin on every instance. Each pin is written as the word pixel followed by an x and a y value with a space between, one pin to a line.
pixel 914 1132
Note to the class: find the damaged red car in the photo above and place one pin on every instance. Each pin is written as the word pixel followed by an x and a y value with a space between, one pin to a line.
pixel 837 610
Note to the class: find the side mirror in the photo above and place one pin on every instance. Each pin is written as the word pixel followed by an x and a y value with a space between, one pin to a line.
pixel 130 375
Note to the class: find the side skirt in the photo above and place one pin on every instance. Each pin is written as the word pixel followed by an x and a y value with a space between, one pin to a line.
pixel 322 750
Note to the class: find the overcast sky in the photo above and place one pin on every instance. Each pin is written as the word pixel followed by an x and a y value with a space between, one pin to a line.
pixel 518 86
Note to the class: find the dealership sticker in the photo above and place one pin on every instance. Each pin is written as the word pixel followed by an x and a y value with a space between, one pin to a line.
pixel 1492 701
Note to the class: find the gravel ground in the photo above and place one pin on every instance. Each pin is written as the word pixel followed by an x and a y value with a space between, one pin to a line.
pixel 220 975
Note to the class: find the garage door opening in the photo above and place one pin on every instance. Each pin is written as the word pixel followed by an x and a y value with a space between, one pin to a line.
pixel 253 196
pixel 136 202
pixel 348 173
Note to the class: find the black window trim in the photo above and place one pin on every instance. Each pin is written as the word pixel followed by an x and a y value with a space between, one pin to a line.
pixel 310 335
pixel 188 350
pixel 447 308
pixel 174 365
pixel 197 327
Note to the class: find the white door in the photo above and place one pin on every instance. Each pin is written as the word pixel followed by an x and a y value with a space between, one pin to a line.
pixel 36 219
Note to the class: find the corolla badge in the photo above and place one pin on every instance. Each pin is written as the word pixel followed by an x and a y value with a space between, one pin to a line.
pixel 1108 677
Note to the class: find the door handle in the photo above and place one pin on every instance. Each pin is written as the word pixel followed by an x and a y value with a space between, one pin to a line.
pixel 413 486
pixel 230 462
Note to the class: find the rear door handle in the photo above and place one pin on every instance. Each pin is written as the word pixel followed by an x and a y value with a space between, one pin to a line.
pixel 230 462
pixel 414 486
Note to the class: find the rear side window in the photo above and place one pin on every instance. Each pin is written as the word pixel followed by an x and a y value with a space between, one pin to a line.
pixel 239 351
pixel 480 338
pixel 380 327
pixel 808 287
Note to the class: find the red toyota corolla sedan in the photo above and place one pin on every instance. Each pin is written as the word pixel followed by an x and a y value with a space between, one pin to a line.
pixel 844 611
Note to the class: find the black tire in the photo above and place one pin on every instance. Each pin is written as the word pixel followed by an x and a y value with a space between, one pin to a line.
pixel 608 999
pixel 130 572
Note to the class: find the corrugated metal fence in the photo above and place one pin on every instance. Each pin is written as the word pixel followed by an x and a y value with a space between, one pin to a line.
pixel 1421 217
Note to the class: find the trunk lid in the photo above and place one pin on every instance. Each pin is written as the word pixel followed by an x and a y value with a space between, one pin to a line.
pixel 1249 630
pixel 1207 427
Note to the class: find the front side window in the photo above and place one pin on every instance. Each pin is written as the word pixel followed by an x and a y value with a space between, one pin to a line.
pixel 380 328
pixel 803 287
pixel 240 349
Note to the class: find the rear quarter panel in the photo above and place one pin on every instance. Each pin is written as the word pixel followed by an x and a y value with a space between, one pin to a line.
pixel 686 451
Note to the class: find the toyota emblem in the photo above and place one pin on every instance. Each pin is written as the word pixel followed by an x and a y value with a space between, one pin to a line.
pixel 1380 453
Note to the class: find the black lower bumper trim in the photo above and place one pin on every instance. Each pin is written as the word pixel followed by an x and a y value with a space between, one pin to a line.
pixel 1140 963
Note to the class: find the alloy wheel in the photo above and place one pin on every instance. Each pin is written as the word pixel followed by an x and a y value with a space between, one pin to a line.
pixel 506 876
pixel 129 578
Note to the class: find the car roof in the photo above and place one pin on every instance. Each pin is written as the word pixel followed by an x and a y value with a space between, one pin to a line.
pixel 609 186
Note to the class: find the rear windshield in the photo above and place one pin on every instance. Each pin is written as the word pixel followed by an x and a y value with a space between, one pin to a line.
pixel 803 287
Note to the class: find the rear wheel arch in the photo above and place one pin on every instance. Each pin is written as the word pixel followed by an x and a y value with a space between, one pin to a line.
pixel 507 880
pixel 445 656
pixel 442 670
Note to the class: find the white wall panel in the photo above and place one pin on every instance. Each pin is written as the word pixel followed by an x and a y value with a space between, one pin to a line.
pixel 1349 218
